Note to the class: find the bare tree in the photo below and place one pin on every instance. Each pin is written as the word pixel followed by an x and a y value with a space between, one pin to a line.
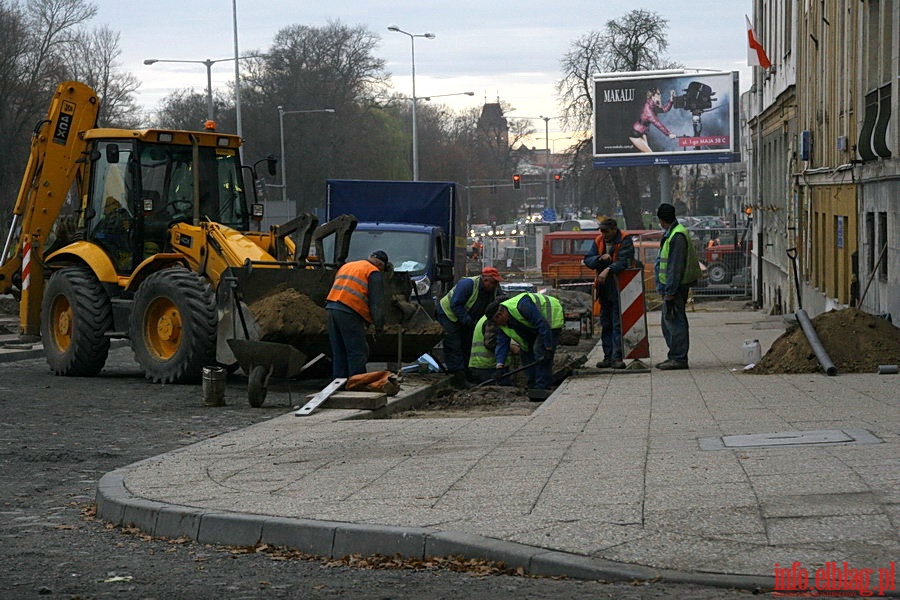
pixel 635 42
pixel 182 109
pixel 94 60
pixel 310 68
pixel 36 39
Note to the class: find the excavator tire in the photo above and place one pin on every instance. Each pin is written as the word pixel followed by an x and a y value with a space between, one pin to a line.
pixel 173 326
pixel 76 313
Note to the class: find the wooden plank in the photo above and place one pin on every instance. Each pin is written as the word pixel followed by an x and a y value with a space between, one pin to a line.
pixel 356 400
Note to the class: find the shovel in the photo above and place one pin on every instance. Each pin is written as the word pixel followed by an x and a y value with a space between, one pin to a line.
pixel 507 374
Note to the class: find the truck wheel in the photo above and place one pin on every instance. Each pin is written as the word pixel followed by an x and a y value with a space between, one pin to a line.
pixel 173 326
pixel 75 315
pixel 717 273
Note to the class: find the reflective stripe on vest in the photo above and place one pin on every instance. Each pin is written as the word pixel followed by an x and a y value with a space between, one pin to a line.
pixel 473 297
pixel 351 287
pixel 691 267
pixel 481 357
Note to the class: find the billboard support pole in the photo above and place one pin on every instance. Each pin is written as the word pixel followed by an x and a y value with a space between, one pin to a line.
pixel 665 184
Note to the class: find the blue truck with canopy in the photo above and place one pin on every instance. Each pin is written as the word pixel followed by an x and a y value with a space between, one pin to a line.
pixel 416 222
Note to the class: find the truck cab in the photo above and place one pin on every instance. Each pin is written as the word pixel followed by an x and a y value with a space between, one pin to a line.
pixel 422 251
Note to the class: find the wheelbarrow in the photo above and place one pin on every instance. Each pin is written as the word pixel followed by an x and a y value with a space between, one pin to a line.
pixel 263 360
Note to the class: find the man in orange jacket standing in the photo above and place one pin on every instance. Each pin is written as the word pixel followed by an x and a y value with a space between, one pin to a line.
pixel 356 299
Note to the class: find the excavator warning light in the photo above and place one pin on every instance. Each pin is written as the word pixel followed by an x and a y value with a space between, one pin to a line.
pixel 209 125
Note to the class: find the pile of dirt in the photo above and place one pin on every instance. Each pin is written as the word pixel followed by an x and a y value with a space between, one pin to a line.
pixel 571 300
pixel 286 315
pixel 856 342
pixel 432 328
pixel 490 400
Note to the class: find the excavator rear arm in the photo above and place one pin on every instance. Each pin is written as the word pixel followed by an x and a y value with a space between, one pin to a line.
pixel 57 157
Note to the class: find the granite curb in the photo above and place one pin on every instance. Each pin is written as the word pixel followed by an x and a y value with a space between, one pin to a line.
pixel 117 505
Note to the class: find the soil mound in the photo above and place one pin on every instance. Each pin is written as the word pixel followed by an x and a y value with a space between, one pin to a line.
pixel 286 315
pixel 856 342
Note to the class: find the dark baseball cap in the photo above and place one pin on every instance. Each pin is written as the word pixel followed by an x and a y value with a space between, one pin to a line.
pixel 608 225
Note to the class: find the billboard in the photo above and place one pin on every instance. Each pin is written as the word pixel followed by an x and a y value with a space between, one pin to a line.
pixel 665 118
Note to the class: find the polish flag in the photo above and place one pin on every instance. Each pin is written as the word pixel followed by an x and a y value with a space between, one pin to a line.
pixel 756 54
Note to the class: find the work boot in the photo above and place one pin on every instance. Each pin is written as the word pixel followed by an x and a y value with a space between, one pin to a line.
pixel 618 364
pixel 458 380
pixel 672 365
pixel 604 364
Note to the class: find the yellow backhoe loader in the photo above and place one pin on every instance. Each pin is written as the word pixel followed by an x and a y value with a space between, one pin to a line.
pixel 145 235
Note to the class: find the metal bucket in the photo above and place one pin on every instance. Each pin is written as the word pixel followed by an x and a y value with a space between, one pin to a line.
pixel 214 386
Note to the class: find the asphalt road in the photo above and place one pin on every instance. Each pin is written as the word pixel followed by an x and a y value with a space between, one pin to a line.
pixel 58 436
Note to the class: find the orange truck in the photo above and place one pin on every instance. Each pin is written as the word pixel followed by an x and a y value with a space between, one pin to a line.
pixel 564 251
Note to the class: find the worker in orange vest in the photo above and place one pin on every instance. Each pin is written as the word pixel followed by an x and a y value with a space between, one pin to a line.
pixel 611 253
pixel 356 300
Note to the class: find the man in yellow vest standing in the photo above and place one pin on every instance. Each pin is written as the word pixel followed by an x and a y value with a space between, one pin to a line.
pixel 356 299
pixel 457 313
pixel 534 322
pixel 676 270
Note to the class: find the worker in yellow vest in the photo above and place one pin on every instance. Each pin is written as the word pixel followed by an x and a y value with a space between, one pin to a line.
pixel 534 322
pixel 457 313
pixel 676 270
pixel 482 361
pixel 355 301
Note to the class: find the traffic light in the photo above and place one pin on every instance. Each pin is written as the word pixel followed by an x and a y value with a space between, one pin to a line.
pixel 517 181
pixel 556 179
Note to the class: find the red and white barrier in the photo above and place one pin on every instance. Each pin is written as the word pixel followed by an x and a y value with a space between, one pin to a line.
pixel 635 342
pixel 26 266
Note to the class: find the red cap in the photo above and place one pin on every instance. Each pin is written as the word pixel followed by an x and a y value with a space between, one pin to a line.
pixel 492 273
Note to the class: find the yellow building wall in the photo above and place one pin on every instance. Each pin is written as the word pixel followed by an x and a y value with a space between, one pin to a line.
pixel 833 231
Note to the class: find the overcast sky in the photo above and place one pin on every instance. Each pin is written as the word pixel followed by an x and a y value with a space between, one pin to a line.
pixel 495 48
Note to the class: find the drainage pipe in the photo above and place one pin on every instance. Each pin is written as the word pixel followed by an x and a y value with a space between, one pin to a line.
pixel 816 344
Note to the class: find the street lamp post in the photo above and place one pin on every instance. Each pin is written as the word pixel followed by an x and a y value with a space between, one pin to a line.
pixel 210 107
pixel 415 141
pixel 281 113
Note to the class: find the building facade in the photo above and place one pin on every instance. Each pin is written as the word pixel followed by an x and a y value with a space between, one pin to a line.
pixel 825 186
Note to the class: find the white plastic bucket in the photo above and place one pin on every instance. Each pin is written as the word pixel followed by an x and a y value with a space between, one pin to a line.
pixel 751 351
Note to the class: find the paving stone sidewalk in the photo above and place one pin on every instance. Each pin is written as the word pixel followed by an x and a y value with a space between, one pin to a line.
pixel 616 476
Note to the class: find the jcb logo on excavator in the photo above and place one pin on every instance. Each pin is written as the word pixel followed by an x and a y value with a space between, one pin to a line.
pixel 64 125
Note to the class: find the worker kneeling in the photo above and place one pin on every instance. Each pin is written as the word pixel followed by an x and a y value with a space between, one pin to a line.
pixel 482 360
pixel 534 322
pixel 457 313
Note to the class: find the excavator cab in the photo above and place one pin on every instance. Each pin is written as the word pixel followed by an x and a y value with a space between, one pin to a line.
pixel 140 188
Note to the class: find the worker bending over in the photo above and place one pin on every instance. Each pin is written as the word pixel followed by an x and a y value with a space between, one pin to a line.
pixel 356 299
pixel 482 360
pixel 457 313
pixel 534 322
